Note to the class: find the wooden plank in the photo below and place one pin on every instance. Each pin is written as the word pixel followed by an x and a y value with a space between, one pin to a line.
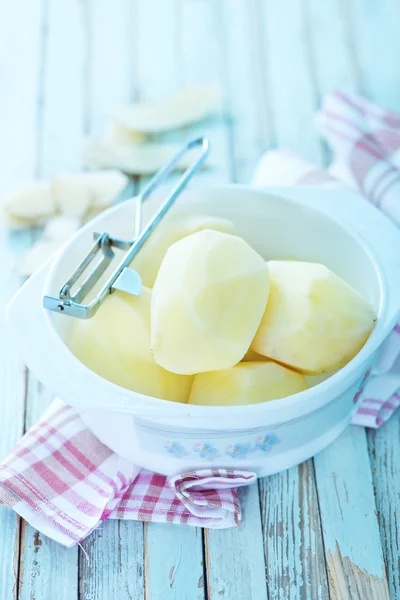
pixel 239 572
pixel 328 27
pixel 290 77
pixel 177 572
pixel 292 535
pixel 18 149
pixel 243 75
pixel 377 45
pixel 384 450
pixel 351 534
pixel 112 68
pixel 291 522
pixel 201 61
pixel 234 557
pixel 113 564
pixel 64 103
pixel 113 555
pixel 13 378
pixel 174 562
pixel 48 569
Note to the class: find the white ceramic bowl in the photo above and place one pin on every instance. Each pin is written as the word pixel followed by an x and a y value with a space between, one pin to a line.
pixel 336 228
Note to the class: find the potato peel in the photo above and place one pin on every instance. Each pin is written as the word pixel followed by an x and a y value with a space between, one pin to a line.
pixel 118 134
pixel 105 187
pixel 61 228
pixel 32 202
pixel 186 107
pixel 72 194
pixel 142 159
pixel 36 256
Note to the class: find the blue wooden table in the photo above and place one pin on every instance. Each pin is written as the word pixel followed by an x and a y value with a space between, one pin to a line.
pixel 325 529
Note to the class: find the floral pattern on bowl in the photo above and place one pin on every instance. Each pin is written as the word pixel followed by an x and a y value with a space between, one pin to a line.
pixel 266 441
pixel 262 443
pixel 239 451
pixel 175 448
pixel 206 450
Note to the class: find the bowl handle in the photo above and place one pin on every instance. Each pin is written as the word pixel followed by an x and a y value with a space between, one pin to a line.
pixel 26 319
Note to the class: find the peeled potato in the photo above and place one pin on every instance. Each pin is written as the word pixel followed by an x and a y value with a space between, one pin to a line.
pixel 61 228
pixel 314 321
pixel 71 194
pixel 115 344
pixel 246 383
pixel 252 356
pixel 117 133
pixel 32 202
pixel 135 159
pixel 149 259
pixel 36 256
pixel 208 300
pixel 105 187
pixel 187 106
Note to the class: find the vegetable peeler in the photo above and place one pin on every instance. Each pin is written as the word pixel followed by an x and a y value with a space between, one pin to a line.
pixel 82 281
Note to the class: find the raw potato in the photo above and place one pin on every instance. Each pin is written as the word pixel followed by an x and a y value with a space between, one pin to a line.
pixel 252 356
pixel 56 232
pixel 149 259
pixel 142 159
pixel 36 256
pixel 115 344
pixel 314 321
pixel 246 383
pixel 61 228
pixel 17 223
pixel 208 300
pixel 71 194
pixel 76 194
pixel 32 202
pixel 105 187
pixel 187 106
pixel 119 134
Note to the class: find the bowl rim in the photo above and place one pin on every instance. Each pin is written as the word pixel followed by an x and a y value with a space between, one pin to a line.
pixel 325 389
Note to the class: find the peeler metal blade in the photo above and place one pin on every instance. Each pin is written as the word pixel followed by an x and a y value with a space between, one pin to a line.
pixel 129 281
pixel 82 281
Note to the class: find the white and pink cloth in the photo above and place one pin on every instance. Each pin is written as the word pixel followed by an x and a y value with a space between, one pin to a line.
pixel 65 482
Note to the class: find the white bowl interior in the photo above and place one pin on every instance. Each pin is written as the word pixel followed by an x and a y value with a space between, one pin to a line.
pixel 276 227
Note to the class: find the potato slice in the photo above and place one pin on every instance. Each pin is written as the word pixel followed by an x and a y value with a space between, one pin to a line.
pixel 105 187
pixel 72 194
pixel 118 134
pixel 149 259
pixel 314 321
pixel 31 202
pixel 187 106
pixel 246 383
pixel 61 228
pixel 36 256
pixel 208 300
pixel 18 223
pixel 142 159
pixel 115 344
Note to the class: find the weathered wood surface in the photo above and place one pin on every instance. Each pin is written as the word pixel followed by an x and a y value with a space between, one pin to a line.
pixel 326 529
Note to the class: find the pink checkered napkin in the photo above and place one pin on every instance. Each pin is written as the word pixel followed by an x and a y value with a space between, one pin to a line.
pixel 365 140
pixel 65 482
